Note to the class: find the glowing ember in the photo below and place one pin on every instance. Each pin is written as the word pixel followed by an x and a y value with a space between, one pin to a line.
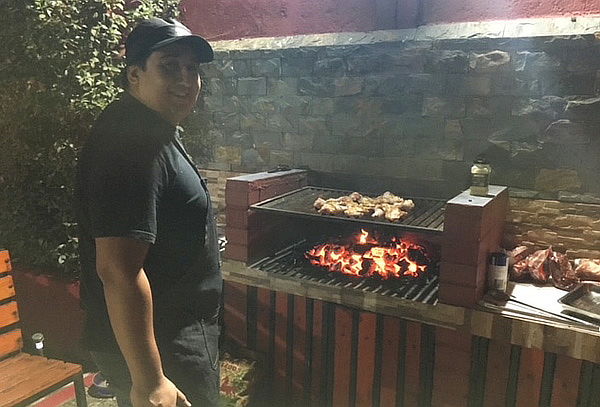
pixel 365 257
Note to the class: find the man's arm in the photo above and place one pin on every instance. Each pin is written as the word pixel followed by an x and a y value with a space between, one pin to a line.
pixel 119 263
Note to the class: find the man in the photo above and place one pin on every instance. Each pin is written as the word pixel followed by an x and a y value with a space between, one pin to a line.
pixel 151 283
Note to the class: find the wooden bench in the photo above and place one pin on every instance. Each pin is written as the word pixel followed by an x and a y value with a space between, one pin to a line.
pixel 25 378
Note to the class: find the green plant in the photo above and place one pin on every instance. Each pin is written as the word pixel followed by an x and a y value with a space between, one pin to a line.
pixel 59 63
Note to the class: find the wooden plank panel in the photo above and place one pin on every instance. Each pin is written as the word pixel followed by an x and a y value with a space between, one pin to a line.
pixel 8 314
pixel 390 361
pixel 343 356
pixel 496 379
pixel 280 351
pixel 365 374
pixel 10 342
pixel 5 265
pixel 452 368
pixel 235 313
pixel 299 353
pixel 7 287
pixel 263 321
pixel 412 382
pixel 317 374
pixel 566 381
pixel 530 377
pixel 40 375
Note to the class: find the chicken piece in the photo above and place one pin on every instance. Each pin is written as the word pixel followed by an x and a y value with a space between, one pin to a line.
pixel 407 205
pixel 355 211
pixel 332 208
pixel 394 214
pixel 344 199
pixel 355 196
pixel 319 202
pixel 378 212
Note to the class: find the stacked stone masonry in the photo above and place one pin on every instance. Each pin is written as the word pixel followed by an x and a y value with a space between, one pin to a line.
pixel 418 106
pixel 416 110
pixel 572 228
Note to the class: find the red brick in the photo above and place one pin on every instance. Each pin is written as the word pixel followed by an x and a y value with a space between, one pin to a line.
pixel 240 194
pixel 236 252
pixel 474 220
pixel 459 295
pixel 461 274
pixel 249 189
pixel 237 217
pixel 462 221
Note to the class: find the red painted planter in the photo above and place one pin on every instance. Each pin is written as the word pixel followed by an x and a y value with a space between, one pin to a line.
pixel 50 306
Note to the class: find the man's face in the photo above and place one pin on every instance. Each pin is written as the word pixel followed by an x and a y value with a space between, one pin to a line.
pixel 170 82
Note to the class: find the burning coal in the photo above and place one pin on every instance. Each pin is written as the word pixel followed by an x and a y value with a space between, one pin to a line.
pixel 365 256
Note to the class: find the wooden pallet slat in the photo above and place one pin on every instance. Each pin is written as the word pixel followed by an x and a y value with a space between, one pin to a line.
pixel 365 373
pixel 343 355
pixel 566 381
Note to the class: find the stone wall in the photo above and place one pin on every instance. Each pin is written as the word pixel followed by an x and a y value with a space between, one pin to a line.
pixel 572 228
pixel 415 107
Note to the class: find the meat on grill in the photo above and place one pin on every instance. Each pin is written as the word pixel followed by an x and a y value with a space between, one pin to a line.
pixel 386 206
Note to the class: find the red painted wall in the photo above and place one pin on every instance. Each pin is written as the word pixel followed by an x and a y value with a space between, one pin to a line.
pixel 261 18
pixel 435 11
pixel 219 20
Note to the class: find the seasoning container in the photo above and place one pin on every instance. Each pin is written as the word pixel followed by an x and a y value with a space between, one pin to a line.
pixel 480 177
pixel 498 272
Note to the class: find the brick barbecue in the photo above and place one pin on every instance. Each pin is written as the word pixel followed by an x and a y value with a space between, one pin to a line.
pixel 271 212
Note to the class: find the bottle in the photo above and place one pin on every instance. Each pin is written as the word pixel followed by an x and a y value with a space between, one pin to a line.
pixel 498 272
pixel 38 341
pixel 480 177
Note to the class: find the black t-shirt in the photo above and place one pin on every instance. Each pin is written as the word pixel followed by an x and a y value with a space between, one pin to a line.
pixel 135 180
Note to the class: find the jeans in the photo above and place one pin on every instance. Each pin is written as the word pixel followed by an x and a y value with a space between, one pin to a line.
pixel 190 360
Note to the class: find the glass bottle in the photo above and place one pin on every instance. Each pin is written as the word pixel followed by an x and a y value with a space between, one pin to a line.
pixel 480 177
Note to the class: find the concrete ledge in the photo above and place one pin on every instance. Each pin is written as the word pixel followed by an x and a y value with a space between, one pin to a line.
pixel 522 28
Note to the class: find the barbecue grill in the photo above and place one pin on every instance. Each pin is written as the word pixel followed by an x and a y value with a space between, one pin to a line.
pixel 426 217
pixel 290 262
pixel 272 222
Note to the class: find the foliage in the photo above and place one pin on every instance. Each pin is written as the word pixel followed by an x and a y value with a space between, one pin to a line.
pixel 59 63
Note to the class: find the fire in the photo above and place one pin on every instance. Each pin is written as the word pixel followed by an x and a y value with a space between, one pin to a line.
pixel 365 257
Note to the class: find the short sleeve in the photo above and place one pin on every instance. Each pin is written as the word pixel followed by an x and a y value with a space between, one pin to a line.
pixel 124 190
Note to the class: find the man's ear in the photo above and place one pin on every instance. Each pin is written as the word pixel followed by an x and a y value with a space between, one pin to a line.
pixel 133 74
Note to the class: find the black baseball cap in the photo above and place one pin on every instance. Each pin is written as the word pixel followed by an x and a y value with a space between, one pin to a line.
pixel 154 33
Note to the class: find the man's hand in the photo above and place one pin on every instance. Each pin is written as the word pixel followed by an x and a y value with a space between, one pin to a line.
pixel 165 394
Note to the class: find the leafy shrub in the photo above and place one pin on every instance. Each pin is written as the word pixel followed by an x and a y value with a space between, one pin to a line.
pixel 59 63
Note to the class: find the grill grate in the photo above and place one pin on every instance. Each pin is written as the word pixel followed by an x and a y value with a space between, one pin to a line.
pixel 290 262
pixel 427 216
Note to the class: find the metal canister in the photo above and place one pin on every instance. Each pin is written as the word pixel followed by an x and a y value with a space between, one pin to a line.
pixel 498 272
